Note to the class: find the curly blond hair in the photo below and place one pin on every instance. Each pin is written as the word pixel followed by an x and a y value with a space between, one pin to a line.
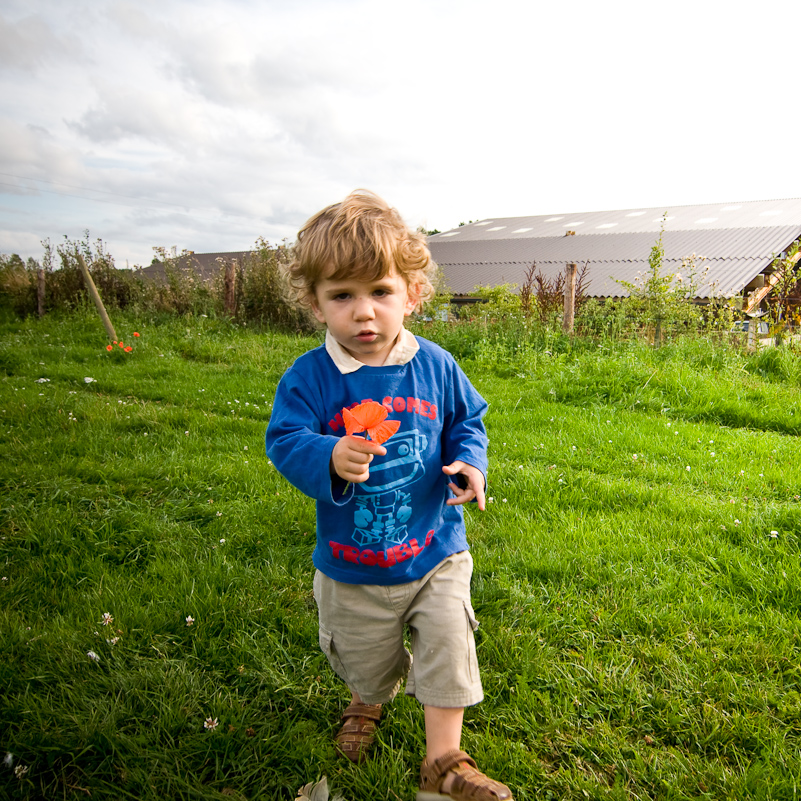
pixel 362 237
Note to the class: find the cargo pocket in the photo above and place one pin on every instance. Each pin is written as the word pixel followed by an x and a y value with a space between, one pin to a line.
pixel 472 625
pixel 329 649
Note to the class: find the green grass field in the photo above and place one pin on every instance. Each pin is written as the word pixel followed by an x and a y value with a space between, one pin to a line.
pixel 637 573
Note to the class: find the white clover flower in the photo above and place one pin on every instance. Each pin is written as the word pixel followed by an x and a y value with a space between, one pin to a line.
pixel 20 771
pixel 210 724
pixel 93 656
pixel 774 534
pixel 687 468
pixel 88 380
pixel 107 619
pixel 189 620
pixel 42 380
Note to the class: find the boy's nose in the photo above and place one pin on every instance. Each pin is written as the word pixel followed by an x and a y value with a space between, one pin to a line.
pixel 363 310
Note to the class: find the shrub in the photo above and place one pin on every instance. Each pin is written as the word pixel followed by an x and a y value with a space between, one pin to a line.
pixel 263 298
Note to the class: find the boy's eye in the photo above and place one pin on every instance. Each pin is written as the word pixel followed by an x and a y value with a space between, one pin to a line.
pixel 341 296
pixel 380 292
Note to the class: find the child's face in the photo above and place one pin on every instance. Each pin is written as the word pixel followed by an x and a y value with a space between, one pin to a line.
pixel 365 317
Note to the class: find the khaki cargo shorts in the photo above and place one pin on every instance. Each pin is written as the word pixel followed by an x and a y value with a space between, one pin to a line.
pixel 362 633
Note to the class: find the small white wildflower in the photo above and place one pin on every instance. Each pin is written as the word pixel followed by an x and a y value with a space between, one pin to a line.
pixel 635 455
pixel 246 447
pixel 712 453
pixel 107 618
pixel 687 468
pixel 490 499
pixel 42 380
pixel 113 641
pixel 774 534
pixel 93 656
pixel 189 620
pixel 20 771
pixel 186 432
pixel 504 500
pixel 8 760
pixel 219 514
pixel 222 541
pixel 88 380
pixel 736 522
pixel 210 724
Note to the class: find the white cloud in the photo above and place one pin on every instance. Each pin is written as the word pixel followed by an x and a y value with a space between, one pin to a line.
pixel 29 43
pixel 206 124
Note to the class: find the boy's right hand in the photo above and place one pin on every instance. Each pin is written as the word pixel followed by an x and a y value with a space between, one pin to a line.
pixel 351 458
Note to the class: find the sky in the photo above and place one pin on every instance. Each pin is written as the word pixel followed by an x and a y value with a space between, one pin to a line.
pixel 206 125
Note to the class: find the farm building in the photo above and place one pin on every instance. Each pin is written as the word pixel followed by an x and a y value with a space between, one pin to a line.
pixel 204 266
pixel 738 243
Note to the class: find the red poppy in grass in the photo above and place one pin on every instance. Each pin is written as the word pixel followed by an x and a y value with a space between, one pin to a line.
pixel 128 349
pixel 136 333
pixel 121 344
pixel 108 347
pixel 370 417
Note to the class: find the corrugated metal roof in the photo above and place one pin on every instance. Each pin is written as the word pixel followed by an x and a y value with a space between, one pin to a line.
pixel 747 214
pixel 500 251
pixel 603 278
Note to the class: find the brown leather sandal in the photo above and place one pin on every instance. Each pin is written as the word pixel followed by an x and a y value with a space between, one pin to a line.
pixel 469 783
pixel 358 732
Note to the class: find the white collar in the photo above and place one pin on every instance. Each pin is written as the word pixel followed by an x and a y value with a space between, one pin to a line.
pixel 403 351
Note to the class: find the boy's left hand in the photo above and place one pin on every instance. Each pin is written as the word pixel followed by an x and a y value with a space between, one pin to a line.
pixel 475 484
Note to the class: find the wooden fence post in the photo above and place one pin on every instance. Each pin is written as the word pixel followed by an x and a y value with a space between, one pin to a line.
pixel 101 309
pixel 230 288
pixel 40 291
pixel 570 298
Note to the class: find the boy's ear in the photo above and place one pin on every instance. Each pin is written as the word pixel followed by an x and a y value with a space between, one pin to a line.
pixel 316 309
pixel 412 299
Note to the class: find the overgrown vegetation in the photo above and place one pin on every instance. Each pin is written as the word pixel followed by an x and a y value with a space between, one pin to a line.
pixel 258 297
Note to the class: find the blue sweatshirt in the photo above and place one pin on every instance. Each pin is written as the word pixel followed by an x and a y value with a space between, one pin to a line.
pixel 394 527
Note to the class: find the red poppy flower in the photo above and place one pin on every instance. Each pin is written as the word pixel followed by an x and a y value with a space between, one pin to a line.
pixel 370 417
pixel 121 344
pixel 128 349
pixel 136 333
pixel 108 347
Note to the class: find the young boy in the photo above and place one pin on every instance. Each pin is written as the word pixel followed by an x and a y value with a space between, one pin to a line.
pixel 391 549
